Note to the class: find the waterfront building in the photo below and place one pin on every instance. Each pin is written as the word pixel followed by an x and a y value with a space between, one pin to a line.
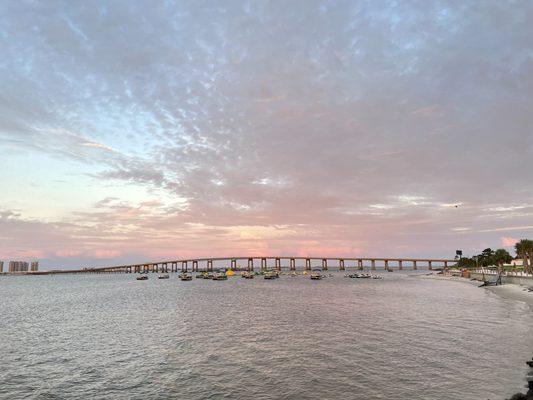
pixel 515 263
pixel 18 266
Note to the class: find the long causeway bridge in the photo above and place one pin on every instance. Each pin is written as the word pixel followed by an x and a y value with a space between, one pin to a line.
pixel 268 263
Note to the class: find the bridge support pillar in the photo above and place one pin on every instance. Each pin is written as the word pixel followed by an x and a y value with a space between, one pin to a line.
pixel 233 265
pixel 263 264
pixel 324 264
pixel 184 266
pixel 373 265
pixel 155 268
pixel 293 264
pixel 195 266
pixel 414 265
pixel 341 265
pixel 278 264
pixel 430 266
pixel 209 265
pixel 386 265
pixel 445 264
pixel 359 264
pixel 308 264
pixel 400 265
pixel 250 264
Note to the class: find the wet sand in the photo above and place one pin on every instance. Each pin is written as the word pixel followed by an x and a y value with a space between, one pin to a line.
pixel 513 292
pixel 507 291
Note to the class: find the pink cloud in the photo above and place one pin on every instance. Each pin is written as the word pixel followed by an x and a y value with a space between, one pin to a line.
pixel 24 254
pixel 67 253
pixel 508 241
pixel 104 254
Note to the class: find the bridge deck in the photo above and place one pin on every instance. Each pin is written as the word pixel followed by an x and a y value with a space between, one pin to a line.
pixel 341 263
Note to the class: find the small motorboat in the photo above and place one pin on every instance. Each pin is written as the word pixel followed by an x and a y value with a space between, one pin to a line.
pixel 185 277
pixel 247 275
pixel 201 276
pixel 315 276
pixel 165 276
pixel 221 276
pixel 270 275
pixel 142 278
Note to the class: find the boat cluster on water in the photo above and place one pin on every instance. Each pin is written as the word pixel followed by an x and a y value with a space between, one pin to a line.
pixel 223 275
pixel 363 276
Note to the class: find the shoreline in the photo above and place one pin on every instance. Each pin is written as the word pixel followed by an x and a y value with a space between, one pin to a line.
pixel 510 291
pixel 513 291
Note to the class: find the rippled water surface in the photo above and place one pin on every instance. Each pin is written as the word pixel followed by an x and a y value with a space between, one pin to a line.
pixel 71 337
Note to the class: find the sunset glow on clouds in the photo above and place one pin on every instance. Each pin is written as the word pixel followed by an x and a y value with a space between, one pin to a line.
pixel 136 131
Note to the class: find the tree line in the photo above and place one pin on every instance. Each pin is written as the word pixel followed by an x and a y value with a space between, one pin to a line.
pixel 489 257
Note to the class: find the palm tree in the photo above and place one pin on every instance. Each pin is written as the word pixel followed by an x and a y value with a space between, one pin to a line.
pixel 501 256
pixel 524 250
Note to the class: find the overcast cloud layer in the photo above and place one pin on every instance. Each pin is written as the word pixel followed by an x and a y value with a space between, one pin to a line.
pixel 133 131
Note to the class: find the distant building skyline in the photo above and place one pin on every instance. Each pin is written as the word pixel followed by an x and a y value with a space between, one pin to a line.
pixel 34 267
pixel 133 131
pixel 20 266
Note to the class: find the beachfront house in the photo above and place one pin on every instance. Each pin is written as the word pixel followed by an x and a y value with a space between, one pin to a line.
pixel 515 263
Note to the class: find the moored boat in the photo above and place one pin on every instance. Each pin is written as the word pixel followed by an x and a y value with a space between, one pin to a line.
pixel 185 277
pixel 221 276
pixel 142 278
pixel 247 275
pixel 271 275
pixel 315 276
pixel 165 276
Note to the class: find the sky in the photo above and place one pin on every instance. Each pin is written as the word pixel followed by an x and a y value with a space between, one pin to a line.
pixel 136 131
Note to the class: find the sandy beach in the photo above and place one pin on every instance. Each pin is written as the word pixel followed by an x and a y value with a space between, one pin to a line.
pixel 507 290
pixel 513 292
